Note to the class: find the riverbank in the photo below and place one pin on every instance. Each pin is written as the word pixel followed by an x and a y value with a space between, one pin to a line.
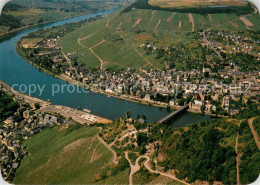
pixel 46 106
pixel 15 70
pixel 69 80
pixel 10 33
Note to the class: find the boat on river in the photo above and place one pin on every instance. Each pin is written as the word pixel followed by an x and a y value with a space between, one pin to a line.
pixel 87 110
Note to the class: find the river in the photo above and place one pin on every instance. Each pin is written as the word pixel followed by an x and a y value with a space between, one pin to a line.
pixel 15 70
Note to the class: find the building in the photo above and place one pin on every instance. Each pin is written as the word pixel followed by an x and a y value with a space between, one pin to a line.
pixel 26 114
pixel 147 97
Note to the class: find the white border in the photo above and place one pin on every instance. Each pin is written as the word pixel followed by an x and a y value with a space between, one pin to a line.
pixel 3 2
pixel 255 2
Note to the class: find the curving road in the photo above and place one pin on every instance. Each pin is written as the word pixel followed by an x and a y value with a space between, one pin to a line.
pixel 136 167
pixel 256 137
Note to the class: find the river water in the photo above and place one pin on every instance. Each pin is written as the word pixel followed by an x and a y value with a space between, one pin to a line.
pixel 15 70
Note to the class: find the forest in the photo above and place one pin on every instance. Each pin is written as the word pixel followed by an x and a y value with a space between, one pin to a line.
pixel 143 4
pixel 9 20
pixel 7 106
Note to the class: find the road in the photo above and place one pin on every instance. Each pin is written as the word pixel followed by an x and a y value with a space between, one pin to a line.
pixel 210 45
pixel 100 60
pixel 26 98
pixel 69 62
pixel 136 167
pixel 115 161
pixel 51 108
pixel 256 137
pixel 46 106
pixel 107 25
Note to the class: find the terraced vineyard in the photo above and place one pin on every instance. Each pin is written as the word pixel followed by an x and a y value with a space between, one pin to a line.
pixel 67 155
pixel 113 42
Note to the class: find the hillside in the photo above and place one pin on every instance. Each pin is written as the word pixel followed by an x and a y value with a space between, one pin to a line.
pixel 23 13
pixel 194 3
pixel 71 155
pixel 121 40
pixel 75 155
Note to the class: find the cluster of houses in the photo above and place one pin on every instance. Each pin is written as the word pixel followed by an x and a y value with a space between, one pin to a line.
pixel 206 91
pixel 149 45
pixel 241 44
pixel 145 85
pixel 22 125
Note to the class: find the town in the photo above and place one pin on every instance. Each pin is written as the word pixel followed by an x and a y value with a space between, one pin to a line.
pixel 28 117
pixel 114 86
pixel 23 124
pixel 221 88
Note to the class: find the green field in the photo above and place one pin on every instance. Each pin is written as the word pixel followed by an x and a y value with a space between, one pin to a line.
pixel 21 13
pixel 193 3
pixel 61 155
pixel 143 176
pixel 116 39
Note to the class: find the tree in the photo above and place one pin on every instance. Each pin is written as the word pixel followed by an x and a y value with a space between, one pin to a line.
pixel 143 117
pixel 142 139
pixel 37 105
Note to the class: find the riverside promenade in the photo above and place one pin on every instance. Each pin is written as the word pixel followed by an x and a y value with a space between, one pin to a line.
pixel 45 106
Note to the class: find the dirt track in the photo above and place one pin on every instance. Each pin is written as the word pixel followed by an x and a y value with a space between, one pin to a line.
pixel 210 17
pixel 192 22
pixel 153 15
pixel 256 137
pixel 170 18
pixel 137 22
pixel 233 24
pixel 115 161
pixel 159 22
pixel 136 167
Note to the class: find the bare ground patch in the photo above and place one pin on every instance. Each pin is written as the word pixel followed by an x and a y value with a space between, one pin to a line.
pixel 192 22
pixel 62 128
pixel 142 37
pixel 179 24
pixel 170 18
pixel 246 21
pixel 210 17
pixel 233 24
pixel 119 26
pixel 137 22
pixel 159 22
pixel 152 15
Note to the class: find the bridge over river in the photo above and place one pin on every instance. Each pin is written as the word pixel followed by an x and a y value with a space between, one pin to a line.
pixel 170 116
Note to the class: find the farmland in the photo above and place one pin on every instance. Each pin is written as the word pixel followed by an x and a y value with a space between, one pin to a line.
pixel 114 42
pixel 194 3
pixel 55 151
pixel 20 13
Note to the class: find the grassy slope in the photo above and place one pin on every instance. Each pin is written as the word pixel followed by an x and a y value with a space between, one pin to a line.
pixel 62 156
pixel 122 37
pixel 193 3
pixel 145 177
pixel 31 16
